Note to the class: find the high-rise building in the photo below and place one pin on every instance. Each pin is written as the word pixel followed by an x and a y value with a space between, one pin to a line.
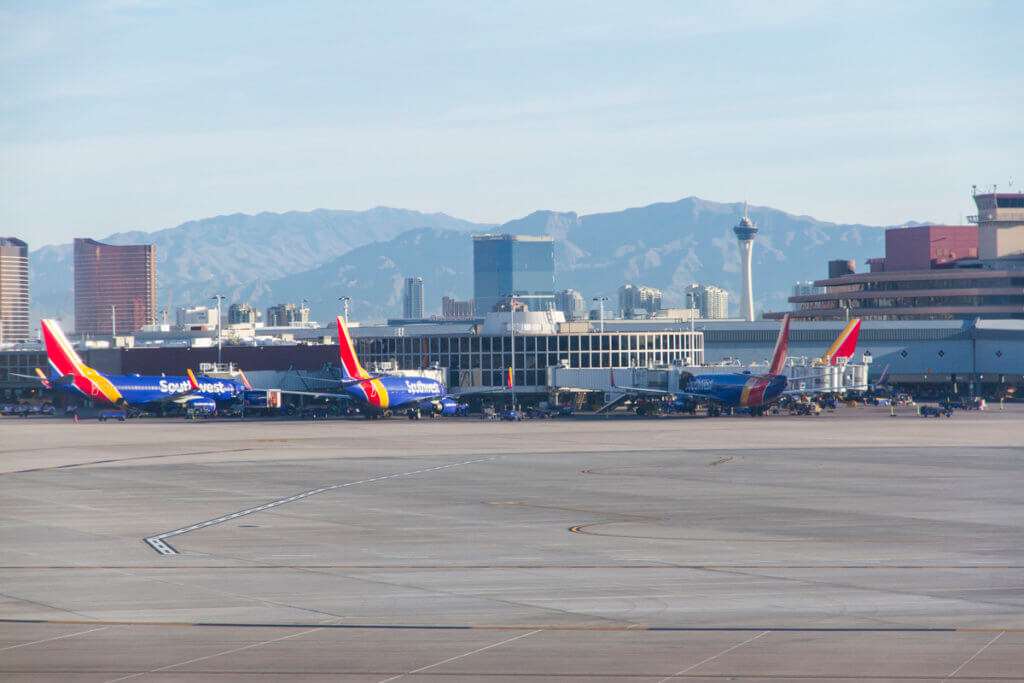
pixel 456 310
pixel 115 287
pixel 242 314
pixel 745 232
pixel 13 290
pixel 412 298
pixel 283 315
pixel 711 302
pixel 571 303
pixel 638 300
pixel 504 266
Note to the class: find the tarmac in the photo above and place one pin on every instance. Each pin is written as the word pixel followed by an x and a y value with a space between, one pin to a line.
pixel 847 546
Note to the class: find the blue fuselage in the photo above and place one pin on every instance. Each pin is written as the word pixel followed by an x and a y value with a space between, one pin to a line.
pixel 736 390
pixel 146 390
pixel 393 393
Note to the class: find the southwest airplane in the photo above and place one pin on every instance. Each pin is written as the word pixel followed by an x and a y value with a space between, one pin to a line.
pixel 71 375
pixel 379 395
pixel 727 390
pixel 756 392
pixel 741 390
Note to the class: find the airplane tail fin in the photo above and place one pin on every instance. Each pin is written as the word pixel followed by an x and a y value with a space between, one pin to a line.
pixel 350 367
pixel 62 356
pixel 192 380
pixel 43 378
pixel 245 380
pixel 844 345
pixel 781 348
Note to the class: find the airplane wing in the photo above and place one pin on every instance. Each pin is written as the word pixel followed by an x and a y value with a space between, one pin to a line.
pixel 59 381
pixel 645 391
pixel 316 394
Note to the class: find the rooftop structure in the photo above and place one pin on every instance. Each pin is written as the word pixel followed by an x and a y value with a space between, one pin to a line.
pixel 1000 222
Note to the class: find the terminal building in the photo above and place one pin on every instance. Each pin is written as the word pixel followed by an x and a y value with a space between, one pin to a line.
pixel 932 272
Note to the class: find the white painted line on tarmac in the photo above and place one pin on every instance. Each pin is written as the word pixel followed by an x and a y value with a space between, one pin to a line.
pixel 462 656
pixel 47 640
pixel 158 543
pixel 712 657
pixel 216 654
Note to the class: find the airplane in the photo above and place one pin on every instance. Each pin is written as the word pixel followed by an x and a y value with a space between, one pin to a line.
pixel 380 395
pixel 744 390
pixel 71 375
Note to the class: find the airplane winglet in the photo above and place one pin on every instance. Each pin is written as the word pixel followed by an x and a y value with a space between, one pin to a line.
pixel 192 379
pixel 42 378
pixel 885 373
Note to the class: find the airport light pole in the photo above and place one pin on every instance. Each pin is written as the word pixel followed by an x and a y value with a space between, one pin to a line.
pixel 113 324
pixel 344 302
pixel 512 329
pixel 218 297
pixel 600 300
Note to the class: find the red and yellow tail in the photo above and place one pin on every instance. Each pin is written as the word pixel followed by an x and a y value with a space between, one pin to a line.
pixel 844 345
pixel 781 348
pixel 350 367
pixel 65 361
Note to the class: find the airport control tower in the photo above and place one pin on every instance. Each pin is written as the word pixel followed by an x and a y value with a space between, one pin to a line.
pixel 745 233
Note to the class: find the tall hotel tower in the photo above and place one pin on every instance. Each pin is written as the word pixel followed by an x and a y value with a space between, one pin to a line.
pixel 115 287
pixel 745 233
pixel 13 290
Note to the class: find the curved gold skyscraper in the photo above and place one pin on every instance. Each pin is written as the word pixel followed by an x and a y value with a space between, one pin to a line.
pixel 745 233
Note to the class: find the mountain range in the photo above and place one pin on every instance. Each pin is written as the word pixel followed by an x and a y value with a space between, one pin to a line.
pixel 320 255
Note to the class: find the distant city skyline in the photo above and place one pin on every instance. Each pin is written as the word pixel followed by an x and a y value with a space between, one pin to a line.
pixel 121 116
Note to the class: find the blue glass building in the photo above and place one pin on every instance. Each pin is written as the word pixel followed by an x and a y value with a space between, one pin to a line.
pixel 513 265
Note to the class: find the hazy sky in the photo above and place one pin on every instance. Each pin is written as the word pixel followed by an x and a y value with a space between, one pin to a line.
pixel 119 115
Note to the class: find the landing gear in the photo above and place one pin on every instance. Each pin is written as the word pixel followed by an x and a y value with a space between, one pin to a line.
pixel 414 413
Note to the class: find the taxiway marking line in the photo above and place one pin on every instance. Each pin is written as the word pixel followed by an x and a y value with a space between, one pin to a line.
pixel 133 458
pixel 465 654
pixel 428 567
pixel 159 544
pixel 534 627
pixel 216 654
pixel 47 640
pixel 972 657
pixel 713 657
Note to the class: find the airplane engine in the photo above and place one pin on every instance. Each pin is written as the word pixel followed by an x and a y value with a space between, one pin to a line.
pixel 203 405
